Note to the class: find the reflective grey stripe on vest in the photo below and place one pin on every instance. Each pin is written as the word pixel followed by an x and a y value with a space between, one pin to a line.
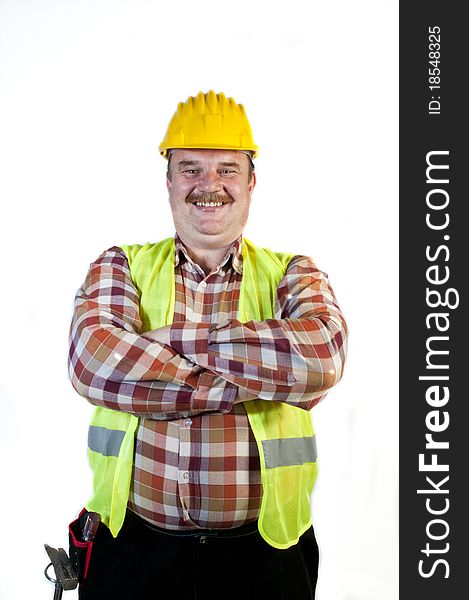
pixel 105 441
pixel 285 452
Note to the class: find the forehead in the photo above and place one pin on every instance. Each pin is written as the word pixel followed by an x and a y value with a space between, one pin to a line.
pixel 206 156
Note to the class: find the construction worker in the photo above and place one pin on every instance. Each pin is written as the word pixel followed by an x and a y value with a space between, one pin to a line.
pixel 203 355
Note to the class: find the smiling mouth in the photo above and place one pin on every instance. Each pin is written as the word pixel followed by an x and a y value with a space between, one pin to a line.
pixel 208 204
pixel 207 200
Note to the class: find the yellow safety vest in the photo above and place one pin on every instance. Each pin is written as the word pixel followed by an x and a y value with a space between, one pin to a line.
pixel 284 433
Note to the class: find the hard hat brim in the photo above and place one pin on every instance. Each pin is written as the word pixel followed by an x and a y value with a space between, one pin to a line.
pixel 165 149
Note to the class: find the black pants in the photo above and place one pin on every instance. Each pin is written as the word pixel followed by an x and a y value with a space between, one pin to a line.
pixel 146 563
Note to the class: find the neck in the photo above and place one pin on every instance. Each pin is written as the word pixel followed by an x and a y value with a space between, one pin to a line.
pixel 207 258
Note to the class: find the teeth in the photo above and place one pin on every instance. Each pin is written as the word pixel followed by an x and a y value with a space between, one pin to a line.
pixel 209 203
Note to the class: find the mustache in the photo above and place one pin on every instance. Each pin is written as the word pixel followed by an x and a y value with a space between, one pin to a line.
pixel 225 197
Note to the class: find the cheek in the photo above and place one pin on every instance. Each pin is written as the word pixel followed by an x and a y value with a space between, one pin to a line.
pixel 180 187
pixel 239 192
pixel 178 207
pixel 178 194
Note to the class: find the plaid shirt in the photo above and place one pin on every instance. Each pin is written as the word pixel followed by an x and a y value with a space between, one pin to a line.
pixel 196 461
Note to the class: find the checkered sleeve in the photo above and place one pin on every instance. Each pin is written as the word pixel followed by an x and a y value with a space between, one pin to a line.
pixel 113 365
pixel 295 358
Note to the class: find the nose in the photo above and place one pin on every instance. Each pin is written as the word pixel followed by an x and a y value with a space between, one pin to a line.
pixel 210 182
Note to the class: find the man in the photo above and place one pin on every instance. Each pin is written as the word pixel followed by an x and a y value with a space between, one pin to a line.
pixel 203 355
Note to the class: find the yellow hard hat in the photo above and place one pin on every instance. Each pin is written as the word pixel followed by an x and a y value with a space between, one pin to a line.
pixel 209 121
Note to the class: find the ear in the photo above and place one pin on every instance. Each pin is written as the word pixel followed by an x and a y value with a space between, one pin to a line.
pixel 252 183
pixel 168 184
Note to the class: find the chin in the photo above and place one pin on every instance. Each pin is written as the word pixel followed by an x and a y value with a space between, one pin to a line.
pixel 217 240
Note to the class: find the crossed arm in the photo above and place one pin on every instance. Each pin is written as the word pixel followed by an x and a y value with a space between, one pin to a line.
pixel 190 368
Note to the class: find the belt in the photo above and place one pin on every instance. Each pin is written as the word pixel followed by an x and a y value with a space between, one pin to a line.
pixel 203 534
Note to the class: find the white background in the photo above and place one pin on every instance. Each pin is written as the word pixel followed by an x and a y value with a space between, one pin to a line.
pixel 86 91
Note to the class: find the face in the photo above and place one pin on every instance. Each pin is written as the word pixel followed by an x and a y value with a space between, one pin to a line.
pixel 209 194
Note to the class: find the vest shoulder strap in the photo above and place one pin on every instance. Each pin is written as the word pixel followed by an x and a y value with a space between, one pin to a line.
pixel 262 271
pixel 152 271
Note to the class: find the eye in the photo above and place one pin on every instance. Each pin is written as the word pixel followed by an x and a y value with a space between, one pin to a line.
pixel 191 171
pixel 226 172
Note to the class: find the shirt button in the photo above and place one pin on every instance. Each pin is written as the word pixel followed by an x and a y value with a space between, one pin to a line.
pixel 185 475
pixel 188 422
pixel 203 284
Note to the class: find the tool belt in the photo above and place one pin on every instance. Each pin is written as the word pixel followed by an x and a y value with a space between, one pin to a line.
pixel 81 545
pixel 72 570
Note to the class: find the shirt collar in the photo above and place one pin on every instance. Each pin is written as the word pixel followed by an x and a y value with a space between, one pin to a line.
pixel 234 254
